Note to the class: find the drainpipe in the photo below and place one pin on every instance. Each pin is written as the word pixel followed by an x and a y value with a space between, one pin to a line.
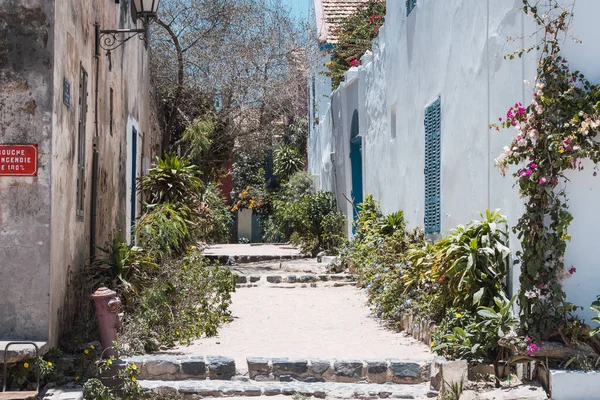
pixel 94 205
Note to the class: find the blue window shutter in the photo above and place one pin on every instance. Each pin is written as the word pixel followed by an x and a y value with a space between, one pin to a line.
pixel 410 4
pixel 433 129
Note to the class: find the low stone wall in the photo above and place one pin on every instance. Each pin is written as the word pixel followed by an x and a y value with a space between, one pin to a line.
pixel 420 330
pixel 176 368
pixel 319 370
pixel 294 278
pixel 230 260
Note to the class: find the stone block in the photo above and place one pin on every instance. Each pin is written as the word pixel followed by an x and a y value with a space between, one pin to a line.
pixel 406 371
pixel 308 278
pixel 453 373
pixel 286 366
pixel 257 366
pixel 324 277
pixel 254 278
pixel 252 391
pixel 319 367
pixel 158 367
pixel 348 369
pixel 272 391
pixel 328 259
pixel 274 279
pixel 377 367
pixel 241 279
pixel 291 278
pixel 194 367
pixel 221 367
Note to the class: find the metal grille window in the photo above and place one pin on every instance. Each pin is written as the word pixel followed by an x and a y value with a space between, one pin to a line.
pixel 410 4
pixel 83 77
pixel 433 129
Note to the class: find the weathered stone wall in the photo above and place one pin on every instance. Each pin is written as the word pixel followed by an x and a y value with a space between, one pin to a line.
pixel 125 74
pixel 26 67
pixel 43 242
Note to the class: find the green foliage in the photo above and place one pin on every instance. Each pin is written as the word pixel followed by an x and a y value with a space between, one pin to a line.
pixel 124 269
pixel 173 180
pixel 297 135
pixel 287 161
pixel 187 299
pixel 165 230
pixel 596 308
pixel 355 35
pixel 248 168
pixel 215 219
pixel 197 137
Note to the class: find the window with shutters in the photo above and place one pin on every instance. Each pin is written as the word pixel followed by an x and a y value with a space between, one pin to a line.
pixel 433 130
pixel 410 5
pixel 83 78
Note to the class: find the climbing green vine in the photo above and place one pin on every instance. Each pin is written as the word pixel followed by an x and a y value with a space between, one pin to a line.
pixel 555 134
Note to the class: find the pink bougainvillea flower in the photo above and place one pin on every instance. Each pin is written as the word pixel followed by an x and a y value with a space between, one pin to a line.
pixel 533 165
pixel 542 286
pixel 572 270
pixel 527 339
pixel 543 180
pixel 532 348
pixel 353 63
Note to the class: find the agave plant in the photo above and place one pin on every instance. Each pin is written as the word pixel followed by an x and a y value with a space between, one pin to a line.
pixel 172 180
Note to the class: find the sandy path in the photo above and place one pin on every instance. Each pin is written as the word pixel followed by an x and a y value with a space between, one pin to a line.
pixel 324 322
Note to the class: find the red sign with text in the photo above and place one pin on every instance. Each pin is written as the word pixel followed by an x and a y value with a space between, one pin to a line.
pixel 18 159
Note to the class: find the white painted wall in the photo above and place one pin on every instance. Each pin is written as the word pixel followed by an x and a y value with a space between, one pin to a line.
pixel 453 49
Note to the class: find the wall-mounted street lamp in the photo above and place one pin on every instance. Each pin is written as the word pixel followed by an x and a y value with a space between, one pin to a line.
pixel 110 39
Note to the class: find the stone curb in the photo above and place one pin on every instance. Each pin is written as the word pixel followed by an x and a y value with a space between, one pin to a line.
pixel 293 278
pixel 229 260
pixel 318 370
pixel 176 368
pixel 318 389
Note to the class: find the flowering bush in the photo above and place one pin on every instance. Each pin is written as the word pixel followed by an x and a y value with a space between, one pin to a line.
pixel 255 199
pixel 355 34
pixel 555 133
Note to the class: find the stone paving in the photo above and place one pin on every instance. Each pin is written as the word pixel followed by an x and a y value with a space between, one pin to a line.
pixel 318 389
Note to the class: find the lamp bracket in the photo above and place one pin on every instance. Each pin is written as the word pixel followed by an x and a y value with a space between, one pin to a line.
pixel 111 39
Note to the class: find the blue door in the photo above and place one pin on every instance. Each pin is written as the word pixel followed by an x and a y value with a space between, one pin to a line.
pixel 356 163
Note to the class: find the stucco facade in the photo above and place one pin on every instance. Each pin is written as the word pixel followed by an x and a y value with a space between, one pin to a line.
pixel 452 50
pixel 46 232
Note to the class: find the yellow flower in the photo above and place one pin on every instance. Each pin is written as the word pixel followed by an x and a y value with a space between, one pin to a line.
pixel 49 364
pixel 86 351
pixel 76 378
pixel 109 362
pixel 92 346
pixel 133 367
pixel 133 378
pixel 432 344
pixel 185 267
pixel 26 365
pixel 458 315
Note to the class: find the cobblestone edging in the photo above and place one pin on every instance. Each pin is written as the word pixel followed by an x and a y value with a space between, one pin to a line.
pixel 195 389
pixel 282 369
pixel 230 260
pixel 294 278
pixel 177 368
pixel 319 370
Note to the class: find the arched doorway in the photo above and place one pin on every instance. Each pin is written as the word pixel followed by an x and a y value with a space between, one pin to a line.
pixel 356 163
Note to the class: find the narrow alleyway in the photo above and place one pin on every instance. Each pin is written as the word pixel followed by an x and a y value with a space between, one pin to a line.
pixel 296 328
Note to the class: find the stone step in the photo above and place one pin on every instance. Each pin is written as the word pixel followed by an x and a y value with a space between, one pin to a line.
pixel 294 278
pixel 173 368
pixel 207 388
pixel 243 259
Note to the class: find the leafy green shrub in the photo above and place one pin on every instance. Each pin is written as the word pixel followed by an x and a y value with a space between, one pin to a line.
pixel 165 229
pixel 187 299
pixel 215 220
pixel 287 161
pixel 172 180
pixel 596 308
pixel 124 269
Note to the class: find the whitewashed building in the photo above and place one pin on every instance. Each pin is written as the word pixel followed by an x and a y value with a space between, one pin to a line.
pixel 410 124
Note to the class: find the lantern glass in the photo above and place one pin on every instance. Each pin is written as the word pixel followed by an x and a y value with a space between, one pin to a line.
pixel 146 7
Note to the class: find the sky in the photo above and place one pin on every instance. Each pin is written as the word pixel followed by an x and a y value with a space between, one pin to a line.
pixel 299 8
